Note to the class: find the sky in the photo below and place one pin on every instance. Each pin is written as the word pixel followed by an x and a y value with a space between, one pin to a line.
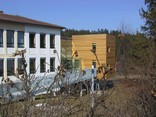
pixel 80 14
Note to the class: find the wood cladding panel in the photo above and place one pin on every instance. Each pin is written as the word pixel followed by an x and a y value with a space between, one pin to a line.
pixel 83 44
pixel 111 55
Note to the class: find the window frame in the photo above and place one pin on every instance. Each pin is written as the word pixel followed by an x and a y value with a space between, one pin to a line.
pixel 52 41
pixel 1 38
pixel 42 69
pixel 32 45
pixel 32 70
pixel 52 68
pixel 10 44
pixel 12 68
pixel 20 45
pixel 1 66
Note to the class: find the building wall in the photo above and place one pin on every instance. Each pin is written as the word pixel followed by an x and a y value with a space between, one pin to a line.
pixel 43 52
pixel 110 56
pixel 37 52
pixel 5 52
pixel 66 52
pixel 83 44
pixel 66 48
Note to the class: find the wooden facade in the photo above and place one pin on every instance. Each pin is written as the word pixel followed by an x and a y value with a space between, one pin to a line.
pixel 95 49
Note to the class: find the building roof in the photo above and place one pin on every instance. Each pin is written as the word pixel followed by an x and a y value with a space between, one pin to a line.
pixel 24 20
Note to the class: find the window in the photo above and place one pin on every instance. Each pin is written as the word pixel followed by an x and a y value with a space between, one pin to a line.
pixel 42 65
pixel 1 67
pixel 108 66
pixel 1 38
pixel 42 40
pixel 94 47
pixel 68 64
pixel 77 64
pixel 108 49
pixel 10 66
pixel 32 65
pixel 10 38
pixel 20 66
pixel 32 40
pixel 52 41
pixel 20 39
pixel 52 64
pixel 94 63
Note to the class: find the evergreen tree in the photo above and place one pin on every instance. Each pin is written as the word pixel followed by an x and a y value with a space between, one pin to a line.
pixel 150 18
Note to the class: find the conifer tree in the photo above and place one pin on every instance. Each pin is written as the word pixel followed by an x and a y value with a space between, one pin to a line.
pixel 150 18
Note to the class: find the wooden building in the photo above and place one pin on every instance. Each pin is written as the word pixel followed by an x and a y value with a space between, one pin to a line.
pixel 97 50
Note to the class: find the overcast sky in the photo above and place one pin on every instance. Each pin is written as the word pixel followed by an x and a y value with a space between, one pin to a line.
pixel 79 14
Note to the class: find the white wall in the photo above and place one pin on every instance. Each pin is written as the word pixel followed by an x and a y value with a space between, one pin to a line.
pixel 42 52
pixel 31 52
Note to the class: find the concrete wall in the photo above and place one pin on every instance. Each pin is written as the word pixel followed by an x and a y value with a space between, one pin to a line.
pixel 30 52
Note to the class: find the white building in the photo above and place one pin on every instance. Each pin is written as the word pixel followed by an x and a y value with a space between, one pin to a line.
pixel 40 39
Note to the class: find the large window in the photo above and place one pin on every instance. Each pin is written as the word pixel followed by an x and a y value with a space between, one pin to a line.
pixel 10 38
pixel 52 64
pixel 32 65
pixel 42 40
pixel 94 47
pixel 94 63
pixel 32 40
pixel 20 39
pixel 77 64
pixel 20 66
pixel 1 38
pixel 10 66
pixel 42 65
pixel 1 67
pixel 52 41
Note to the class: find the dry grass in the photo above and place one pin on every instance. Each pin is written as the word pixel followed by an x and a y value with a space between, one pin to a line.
pixel 116 101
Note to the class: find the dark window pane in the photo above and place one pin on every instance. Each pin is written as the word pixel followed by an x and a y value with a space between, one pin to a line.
pixel 42 65
pixel 68 64
pixel 108 49
pixel 20 66
pixel 52 64
pixel 42 41
pixel 21 39
pixel 32 65
pixel 32 40
pixel 10 67
pixel 1 38
pixel 94 47
pixel 1 67
pixel 94 63
pixel 52 41
pixel 10 38
pixel 77 64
